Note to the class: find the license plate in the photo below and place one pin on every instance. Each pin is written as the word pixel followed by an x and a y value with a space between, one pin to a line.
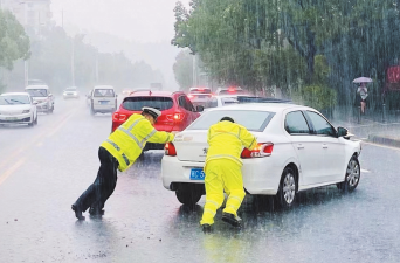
pixel 197 174
pixel 104 102
pixel 11 118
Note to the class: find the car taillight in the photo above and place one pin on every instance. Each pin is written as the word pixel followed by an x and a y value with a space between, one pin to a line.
pixel 118 117
pixel 170 149
pixel 190 96
pixel 176 117
pixel 260 151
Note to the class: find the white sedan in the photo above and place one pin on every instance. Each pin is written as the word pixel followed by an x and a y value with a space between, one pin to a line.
pixel 17 108
pixel 298 149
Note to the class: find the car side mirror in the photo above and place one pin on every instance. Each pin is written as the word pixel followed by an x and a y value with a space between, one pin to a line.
pixel 342 132
pixel 199 108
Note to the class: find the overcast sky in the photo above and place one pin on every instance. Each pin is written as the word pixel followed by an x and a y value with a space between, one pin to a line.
pixel 139 20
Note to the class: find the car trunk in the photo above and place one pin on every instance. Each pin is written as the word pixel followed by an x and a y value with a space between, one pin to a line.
pixel 191 145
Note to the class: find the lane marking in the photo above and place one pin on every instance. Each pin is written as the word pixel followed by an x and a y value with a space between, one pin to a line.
pixel 364 170
pixel 11 170
pixel 58 127
pixel 36 140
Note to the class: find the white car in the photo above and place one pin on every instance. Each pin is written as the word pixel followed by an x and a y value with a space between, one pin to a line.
pixel 42 96
pixel 71 92
pixel 219 101
pixel 103 99
pixel 199 96
pixel 17 108
pixel 298 149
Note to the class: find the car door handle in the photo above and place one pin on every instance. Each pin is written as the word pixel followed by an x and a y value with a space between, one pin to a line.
pixel 300 147
pixel 325 146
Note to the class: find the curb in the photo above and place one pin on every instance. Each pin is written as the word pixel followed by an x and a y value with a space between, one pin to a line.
pixel 378 139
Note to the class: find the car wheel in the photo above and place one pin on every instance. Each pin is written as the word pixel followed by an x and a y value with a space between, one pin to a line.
pixel 35 121
pixel 352 177
pixel 188 196
pixel 286 195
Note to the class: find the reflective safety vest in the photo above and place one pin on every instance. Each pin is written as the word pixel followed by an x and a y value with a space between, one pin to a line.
pixel 128 141
pixel 226 140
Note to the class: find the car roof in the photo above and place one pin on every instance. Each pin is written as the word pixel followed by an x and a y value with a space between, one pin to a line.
pixel 157 93
pixel 274 107
pixel 15 93
pixel 37 86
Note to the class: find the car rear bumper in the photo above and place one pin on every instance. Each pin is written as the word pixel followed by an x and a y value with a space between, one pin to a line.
pixel 104 108
pixel 260 175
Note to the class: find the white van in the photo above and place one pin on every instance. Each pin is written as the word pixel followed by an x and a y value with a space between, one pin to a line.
pixel 103 99
pixel 42 97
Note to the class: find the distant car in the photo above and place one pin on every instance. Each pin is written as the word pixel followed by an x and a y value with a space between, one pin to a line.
pixel 177 112
pixel 200 96
pixel 17 108
pixel 71 92
pixel 126 92
pixel 42 96
pixel 230 91
pixel 298 149
pixel 103 99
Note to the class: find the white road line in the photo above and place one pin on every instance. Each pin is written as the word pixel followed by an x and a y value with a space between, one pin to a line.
pixel 11 170
pixel 364 170
pixel 50 134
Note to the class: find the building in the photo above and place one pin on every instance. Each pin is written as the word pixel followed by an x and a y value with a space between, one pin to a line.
pixel 34 15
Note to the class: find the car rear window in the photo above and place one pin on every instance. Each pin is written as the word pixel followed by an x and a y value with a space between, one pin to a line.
pixel 104 93
pixel 252 120
pixel 137 103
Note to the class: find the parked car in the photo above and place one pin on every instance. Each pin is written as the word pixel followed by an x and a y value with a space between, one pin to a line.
pixel 298 149
pixel 177 112
pixel 71 92
pixel 17 108
pixel 103 99
pixel 42 96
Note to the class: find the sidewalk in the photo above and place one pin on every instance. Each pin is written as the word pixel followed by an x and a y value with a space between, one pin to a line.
pixel 375 132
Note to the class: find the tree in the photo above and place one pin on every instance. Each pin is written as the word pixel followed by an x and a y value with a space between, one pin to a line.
pixel 183 69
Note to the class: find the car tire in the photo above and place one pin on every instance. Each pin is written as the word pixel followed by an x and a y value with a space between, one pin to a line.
pixel 287 190
pixel 35 121
pixel 188 196
pixel 352 177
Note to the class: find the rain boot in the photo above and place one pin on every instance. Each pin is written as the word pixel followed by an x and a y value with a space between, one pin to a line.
pixel 207 228
pixel 235 221
pixel 78 212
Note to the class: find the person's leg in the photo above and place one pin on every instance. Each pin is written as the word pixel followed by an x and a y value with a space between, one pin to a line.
pixel 214 192
pixel 107 183
pixel 232 176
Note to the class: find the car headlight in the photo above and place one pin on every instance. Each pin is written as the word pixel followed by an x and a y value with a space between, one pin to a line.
pixel 25 111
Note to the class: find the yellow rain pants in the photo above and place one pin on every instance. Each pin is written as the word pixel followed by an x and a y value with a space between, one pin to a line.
pixel 222 174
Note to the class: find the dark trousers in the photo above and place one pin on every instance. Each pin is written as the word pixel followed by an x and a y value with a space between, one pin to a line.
pixel 105 183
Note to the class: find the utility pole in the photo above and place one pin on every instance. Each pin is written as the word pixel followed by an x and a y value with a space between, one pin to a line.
pixel 73 61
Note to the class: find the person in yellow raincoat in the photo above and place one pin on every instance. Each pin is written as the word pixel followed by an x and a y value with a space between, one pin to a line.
pixel 119 151
pixel 223 170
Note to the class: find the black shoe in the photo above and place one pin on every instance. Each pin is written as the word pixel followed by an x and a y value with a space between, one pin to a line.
pixel 207 227
pixel 235 221
pixel 94 211
pixel 78 212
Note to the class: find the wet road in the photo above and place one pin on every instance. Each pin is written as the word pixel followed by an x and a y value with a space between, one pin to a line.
pixel 45 168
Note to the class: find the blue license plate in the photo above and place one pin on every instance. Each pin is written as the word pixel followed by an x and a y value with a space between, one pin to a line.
pixel 103 102
pixel 197 174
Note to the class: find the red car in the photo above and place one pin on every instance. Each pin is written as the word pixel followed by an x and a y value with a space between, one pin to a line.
pixel 177 112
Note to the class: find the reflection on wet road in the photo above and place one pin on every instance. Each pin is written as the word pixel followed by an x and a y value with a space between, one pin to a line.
pixel 45 168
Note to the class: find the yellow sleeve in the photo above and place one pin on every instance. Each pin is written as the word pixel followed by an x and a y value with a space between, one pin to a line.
pixel 160 137
pixel 248 140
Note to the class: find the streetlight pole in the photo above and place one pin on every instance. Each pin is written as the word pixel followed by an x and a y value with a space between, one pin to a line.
pixel 26 65
pixel 73 61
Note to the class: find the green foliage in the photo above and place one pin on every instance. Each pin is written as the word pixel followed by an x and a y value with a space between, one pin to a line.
pixel 14 43
pixel 318 96
pixel 183 69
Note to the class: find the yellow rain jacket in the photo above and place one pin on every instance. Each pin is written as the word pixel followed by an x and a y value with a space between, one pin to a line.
pixel 226 140
pixel 128 141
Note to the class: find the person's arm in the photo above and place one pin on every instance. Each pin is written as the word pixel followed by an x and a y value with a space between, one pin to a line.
pixel 248 140
pixel 155 136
